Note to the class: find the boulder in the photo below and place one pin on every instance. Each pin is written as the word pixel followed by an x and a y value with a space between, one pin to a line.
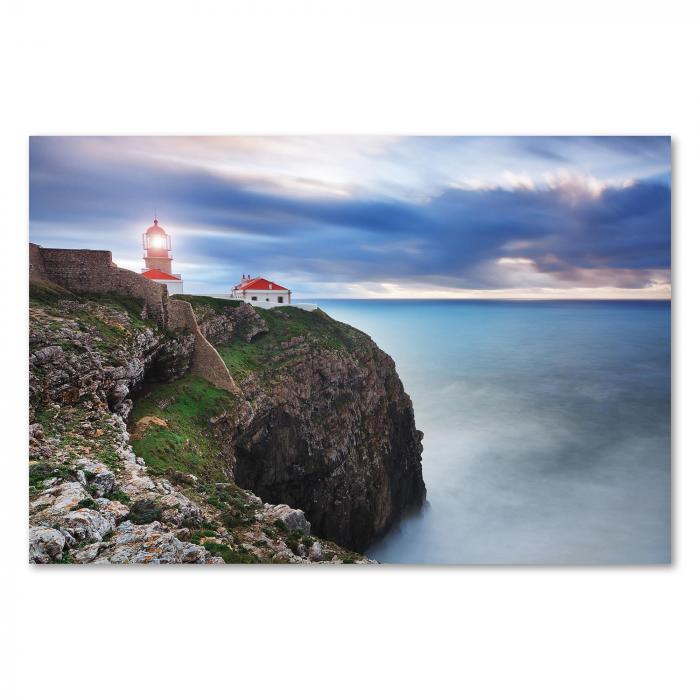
pixel 59 499
pixel 45 545
pixel 316 552
pixel 99 477
pixel 87 524
pixel 149 544
pixel 291 518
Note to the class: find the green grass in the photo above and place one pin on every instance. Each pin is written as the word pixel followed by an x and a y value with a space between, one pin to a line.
pixel 265 356
pixel 197 535
pixel 187 444
pixel 208 306
pixel 41 471
pixel 107 333
pixel 241 358
pixel 48 293
pixel 229 555
pixel 120 496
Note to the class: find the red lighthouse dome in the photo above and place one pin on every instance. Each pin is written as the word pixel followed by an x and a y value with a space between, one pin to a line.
pixel 155 229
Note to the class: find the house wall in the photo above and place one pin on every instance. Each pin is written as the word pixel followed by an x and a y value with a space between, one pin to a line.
pixel 174 287
pixel 267 296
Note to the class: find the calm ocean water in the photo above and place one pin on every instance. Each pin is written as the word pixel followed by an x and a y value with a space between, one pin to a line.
pixel 547 428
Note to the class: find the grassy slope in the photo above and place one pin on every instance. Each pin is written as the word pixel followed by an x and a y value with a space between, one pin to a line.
pixel 187 443
pixel 95 318
pixel 264 354
pixel 205 307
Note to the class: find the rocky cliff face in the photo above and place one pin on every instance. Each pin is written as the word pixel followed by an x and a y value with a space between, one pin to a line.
pixel 330 428
pixel 323 431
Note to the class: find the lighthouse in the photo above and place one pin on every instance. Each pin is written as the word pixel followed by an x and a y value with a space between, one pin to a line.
pixel 158 258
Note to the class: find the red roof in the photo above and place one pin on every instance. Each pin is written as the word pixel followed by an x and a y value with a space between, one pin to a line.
pixel 158 275
pixel 260 284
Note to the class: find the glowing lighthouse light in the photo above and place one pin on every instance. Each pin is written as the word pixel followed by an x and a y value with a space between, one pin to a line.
pixel 158 258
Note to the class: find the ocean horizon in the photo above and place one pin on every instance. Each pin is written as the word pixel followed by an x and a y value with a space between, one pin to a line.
pixel 546 423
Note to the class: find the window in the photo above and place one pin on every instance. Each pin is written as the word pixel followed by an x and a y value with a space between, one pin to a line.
pixel 253 298
pixel 268 299
pixel 280 300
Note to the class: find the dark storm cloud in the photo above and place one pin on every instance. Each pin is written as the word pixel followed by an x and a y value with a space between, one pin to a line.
pixel 95 192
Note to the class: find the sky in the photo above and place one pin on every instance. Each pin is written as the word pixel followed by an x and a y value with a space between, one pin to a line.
pixel 359 216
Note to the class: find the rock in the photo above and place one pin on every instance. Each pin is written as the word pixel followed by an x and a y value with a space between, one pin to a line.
pixel 333 435
pixel 51 354
pixel 194 554
pixel 87 524
pixel 87 554
pixel 177 508
pixel 149 544
pixel 59 499
pixel 291 518
pixel 99 477
pixel 316 552
pixel 45 545
pixel 113 510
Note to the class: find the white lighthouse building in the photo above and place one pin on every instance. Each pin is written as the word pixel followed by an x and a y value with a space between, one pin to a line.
pixel 158 259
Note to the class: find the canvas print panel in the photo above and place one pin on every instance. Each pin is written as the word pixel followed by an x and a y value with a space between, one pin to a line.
pixel 349 350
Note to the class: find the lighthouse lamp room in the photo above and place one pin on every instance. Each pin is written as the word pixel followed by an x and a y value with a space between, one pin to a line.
pixel 158 258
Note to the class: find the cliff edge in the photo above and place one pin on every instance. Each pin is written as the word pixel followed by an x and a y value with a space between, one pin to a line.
pixel 135 458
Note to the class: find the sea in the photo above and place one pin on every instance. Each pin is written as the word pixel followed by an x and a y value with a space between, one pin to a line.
pixel 547 428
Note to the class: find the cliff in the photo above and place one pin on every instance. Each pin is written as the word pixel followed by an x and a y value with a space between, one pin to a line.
pixel 328 426
pixel 135 458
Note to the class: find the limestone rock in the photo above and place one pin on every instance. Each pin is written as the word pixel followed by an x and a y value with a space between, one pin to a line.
pixel 316 552
pixel 45 545
pixel 292 518
pixel 59 499
pixel 87 524
pixel 150 544
pixel 99 477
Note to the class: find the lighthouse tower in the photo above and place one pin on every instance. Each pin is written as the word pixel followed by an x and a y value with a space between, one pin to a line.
pixel 158 258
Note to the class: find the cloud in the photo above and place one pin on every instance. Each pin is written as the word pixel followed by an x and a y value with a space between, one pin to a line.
pixel 568 228
pixel 518 181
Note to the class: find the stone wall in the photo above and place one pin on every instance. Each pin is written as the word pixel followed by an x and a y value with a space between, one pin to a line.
pixel 92 271
pixel 85 271
pixel 37 272
pixel 206 361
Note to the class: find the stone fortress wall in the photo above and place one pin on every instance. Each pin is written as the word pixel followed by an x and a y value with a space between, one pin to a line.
pixel 92 271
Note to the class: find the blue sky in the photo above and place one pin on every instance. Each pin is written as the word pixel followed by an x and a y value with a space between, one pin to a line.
pixel 355 216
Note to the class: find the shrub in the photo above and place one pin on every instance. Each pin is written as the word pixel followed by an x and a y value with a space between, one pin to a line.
pixel 144 512
pixel 85 503
pixel 229 555
pixel 197 535
pixel 120 496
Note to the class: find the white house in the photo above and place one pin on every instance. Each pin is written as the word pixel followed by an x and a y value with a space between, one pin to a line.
pixel 258 290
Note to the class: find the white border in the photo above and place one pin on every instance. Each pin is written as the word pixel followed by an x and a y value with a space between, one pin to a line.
pixel 349 67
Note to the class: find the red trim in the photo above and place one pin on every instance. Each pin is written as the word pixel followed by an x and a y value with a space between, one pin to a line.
pixel 159 275
pixel 260 284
